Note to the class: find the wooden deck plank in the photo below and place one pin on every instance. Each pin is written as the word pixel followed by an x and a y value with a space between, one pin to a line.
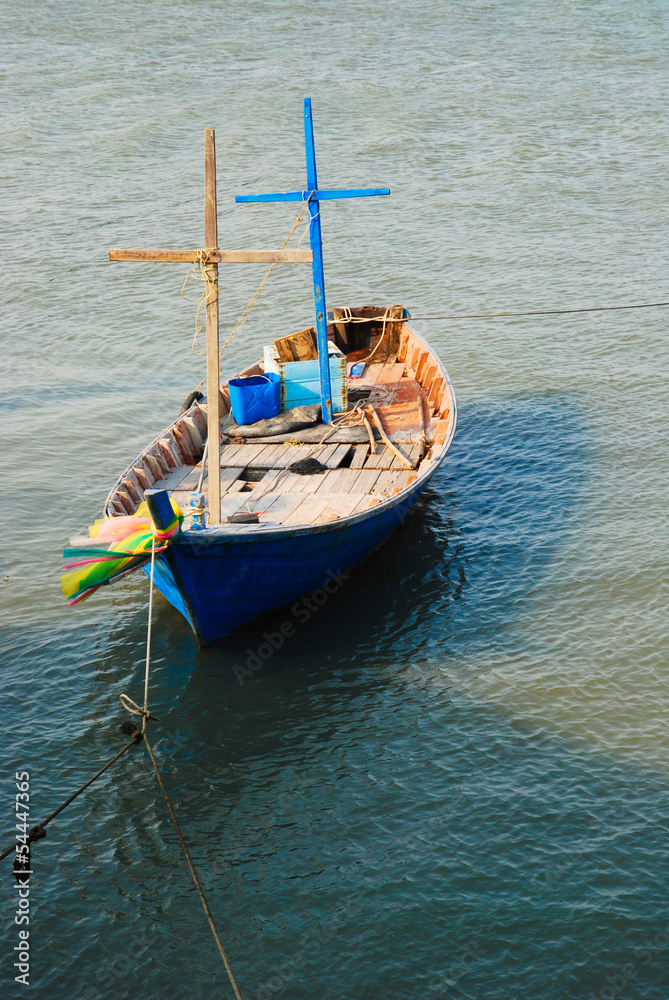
pixel 281 506
pixel 290 482
pixel 308 510
pixel 228 450
pixel 294 454
pixel 310 484
pixel 365 481
pixel 382 460
pixel 326 453
pixel 413 453
pixel 190 481
pixel 247 454
pixel 231 503
pixel 280 457
pixel 360 456
pixel 171 480
pixel 269 478
pixel 345 481
pixel 365 503
pixel 264 456
pixel 228 475
pixel 338 455
pixel 328 481
pixel 341 505
pixel 390 480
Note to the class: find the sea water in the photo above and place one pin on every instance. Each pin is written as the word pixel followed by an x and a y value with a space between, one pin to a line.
pixel 452 779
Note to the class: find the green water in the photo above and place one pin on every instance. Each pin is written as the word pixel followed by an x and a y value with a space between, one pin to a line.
pixel 453 780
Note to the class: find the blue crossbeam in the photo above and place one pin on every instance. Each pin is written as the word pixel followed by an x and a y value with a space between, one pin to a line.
pixel 311 195
pixel 318 195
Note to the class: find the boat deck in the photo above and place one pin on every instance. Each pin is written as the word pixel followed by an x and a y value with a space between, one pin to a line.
pixel 408 391
pixel 256 478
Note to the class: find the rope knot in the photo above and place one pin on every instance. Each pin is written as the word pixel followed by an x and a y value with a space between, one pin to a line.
pixel 201 272
pixel 134 709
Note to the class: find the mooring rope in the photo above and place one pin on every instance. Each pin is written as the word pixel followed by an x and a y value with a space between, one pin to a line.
pixel 38 832
pixel 510 315
pixel 136 737
pixel 191 868
pixel 145 714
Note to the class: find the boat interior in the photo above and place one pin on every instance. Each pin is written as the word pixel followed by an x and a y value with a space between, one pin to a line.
pixel 396 419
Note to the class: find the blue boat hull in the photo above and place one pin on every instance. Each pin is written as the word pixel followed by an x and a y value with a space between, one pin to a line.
pixel 224 577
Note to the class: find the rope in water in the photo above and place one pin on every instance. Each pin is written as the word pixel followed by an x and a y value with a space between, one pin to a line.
pixel 191 868
pixel 130 705
pixel 38 832
pixel 137 735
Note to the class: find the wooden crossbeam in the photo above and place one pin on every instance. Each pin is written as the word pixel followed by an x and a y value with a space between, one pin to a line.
pixel 215 256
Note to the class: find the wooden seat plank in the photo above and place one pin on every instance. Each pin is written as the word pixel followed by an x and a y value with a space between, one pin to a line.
pixel 372 372
pixel 391 372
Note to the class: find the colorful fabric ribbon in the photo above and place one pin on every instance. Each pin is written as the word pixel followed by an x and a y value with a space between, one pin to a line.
pixel 131 541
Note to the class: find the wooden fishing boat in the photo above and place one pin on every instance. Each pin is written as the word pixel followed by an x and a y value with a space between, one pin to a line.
pixel 286 513
pixel 311 528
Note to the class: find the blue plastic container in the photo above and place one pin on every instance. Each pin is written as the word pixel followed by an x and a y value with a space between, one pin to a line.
pixel 255 398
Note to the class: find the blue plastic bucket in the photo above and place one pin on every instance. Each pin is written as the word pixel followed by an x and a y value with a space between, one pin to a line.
pixel 255 398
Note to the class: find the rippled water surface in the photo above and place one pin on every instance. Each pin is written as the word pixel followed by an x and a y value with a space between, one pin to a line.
pixel 453 780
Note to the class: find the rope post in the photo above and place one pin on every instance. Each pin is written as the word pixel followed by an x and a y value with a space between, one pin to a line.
pixel 211 276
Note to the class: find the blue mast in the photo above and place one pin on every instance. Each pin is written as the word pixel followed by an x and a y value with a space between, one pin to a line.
pixel 313 196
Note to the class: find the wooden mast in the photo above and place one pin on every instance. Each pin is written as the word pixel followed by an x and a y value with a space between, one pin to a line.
pixel 211 276
pixel 213 256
